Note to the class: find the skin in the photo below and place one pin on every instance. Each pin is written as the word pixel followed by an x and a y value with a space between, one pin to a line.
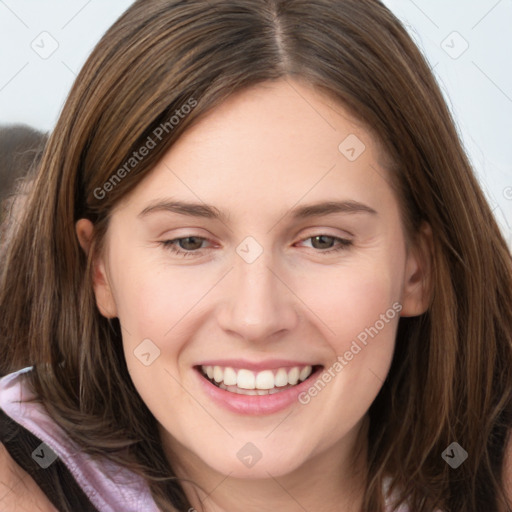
pixel 260 154
pixel 18 491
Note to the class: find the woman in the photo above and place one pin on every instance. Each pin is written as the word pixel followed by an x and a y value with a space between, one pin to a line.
pixel 258 369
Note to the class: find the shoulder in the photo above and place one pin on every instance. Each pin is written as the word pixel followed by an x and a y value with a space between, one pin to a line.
pixel 18 489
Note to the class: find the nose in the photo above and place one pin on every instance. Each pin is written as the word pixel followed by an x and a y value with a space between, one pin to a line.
pixel 260 304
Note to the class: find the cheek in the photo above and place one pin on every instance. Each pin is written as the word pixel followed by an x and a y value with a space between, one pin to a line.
pixel 350 299
pixel 359 318
pixel 151 299
pixel 359 309
pixel 152 304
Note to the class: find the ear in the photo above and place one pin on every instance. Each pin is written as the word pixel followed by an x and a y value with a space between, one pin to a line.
pixel 104 297
pixel 417 290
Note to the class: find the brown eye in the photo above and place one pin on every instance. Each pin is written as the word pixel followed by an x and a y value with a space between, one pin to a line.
pixel 190 243
pixel 327 243
pixel 322 241
pixel 185 246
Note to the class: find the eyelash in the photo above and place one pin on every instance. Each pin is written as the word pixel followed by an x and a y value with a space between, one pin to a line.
pixel 171 245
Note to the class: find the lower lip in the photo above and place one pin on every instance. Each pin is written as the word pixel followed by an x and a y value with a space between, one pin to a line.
pixel 255 405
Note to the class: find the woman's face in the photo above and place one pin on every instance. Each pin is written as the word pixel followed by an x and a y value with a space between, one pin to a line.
pixel 292 265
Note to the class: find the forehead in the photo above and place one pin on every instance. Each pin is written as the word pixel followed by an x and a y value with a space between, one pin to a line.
pixel 274 144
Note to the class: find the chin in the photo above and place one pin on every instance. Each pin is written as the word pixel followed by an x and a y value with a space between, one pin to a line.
pixel 264 468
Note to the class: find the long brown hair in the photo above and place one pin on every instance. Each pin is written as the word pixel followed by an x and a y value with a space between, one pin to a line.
pixel 450 379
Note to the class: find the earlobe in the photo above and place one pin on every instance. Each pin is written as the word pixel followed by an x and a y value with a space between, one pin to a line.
pixel 417 289
pixel 102 290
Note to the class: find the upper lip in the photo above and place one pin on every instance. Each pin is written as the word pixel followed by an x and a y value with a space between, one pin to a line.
pixel 256 366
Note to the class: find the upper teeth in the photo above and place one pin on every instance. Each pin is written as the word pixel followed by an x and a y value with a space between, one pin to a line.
pixel 267 379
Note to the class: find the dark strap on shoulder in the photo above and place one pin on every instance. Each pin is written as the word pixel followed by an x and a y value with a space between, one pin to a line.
pixel 56 481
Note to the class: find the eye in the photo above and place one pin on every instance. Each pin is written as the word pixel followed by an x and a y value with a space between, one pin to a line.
pixel 191 245
pixel 325 242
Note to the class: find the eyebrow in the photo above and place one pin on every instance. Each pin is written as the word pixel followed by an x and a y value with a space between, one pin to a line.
pixel 302 212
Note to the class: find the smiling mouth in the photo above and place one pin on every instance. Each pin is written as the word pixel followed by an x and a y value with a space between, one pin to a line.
pixel 266 382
